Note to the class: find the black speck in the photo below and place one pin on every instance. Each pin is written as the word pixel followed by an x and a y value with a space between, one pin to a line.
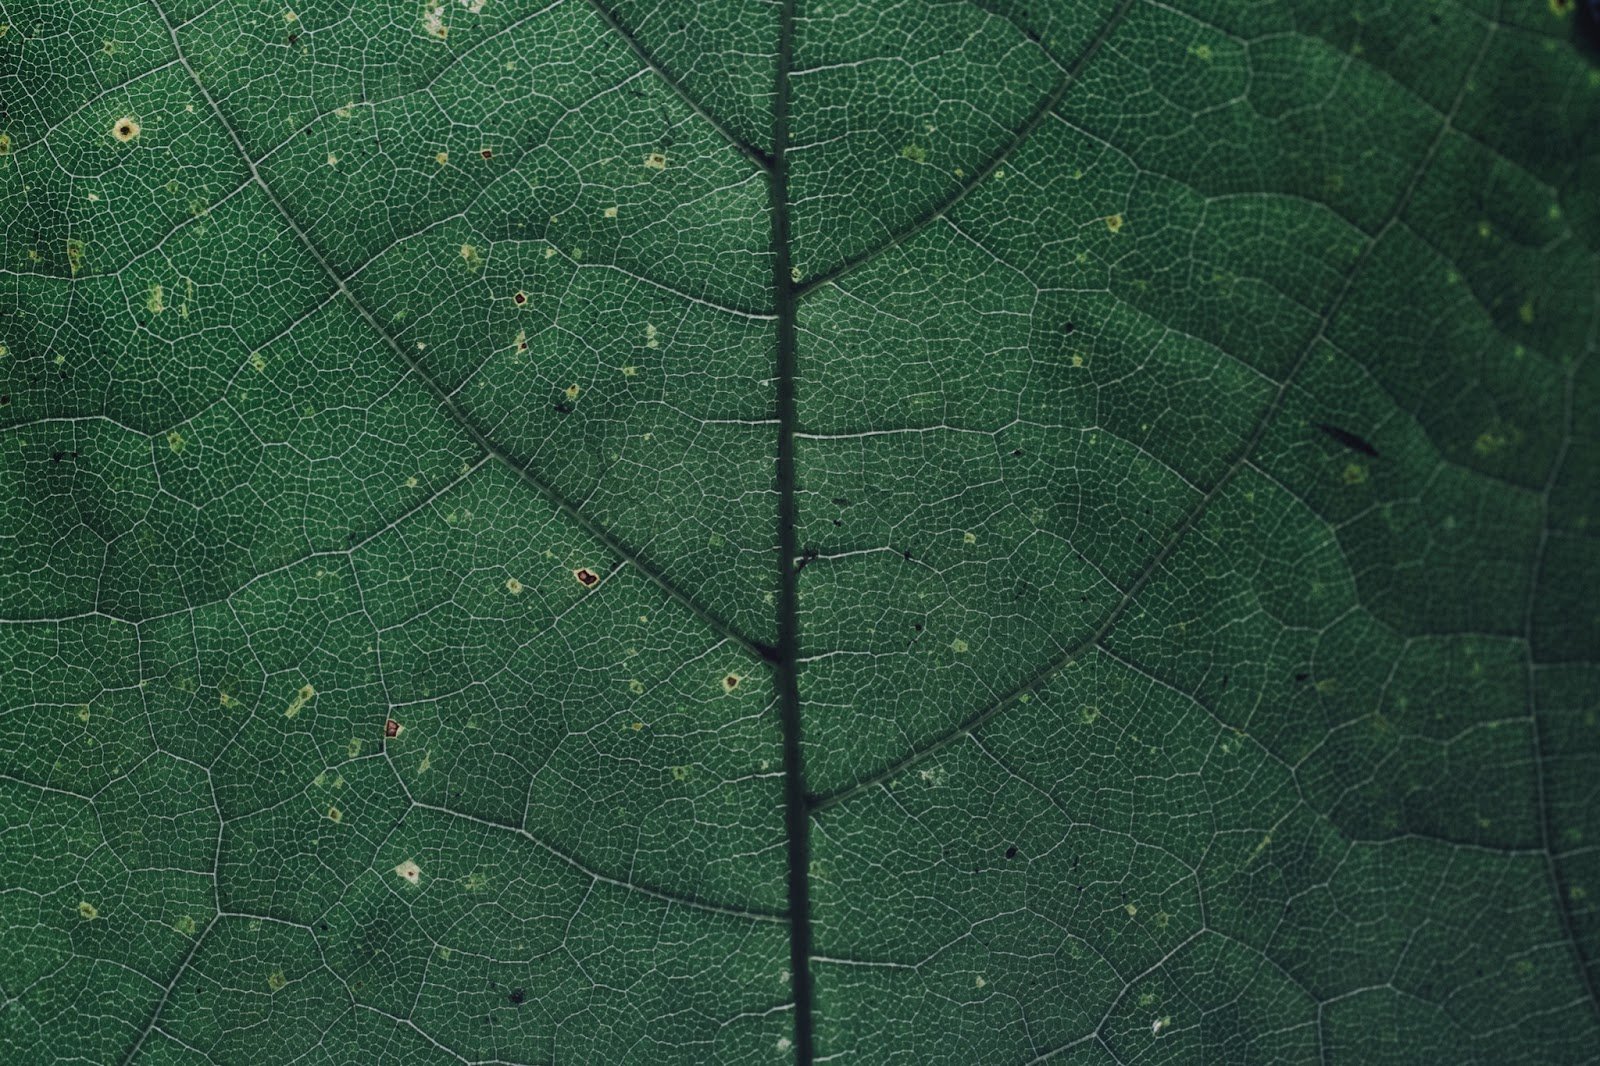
pixel 1302 677
pixel 1353 441
pixel 1017 453
pixel 294 38
pixel 517 996
pixel 1011 852
pixel 5 401
pixel 917 626
pixel 562 407
pixel 907 555
pixel 841 501
pixel 1069 328
pixel 56 457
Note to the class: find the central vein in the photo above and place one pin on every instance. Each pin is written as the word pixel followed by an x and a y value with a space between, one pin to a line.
pixel 786 655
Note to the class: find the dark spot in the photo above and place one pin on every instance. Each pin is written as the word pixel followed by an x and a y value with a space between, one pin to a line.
pixel 125 130
pixel 841 501
pixel 1017 453
pixel 56 457
pixel 517 996
pixel 1011 852
pixel 586 577
pixel 1350 440
pixel 1302 677
pixel 487 153
pixel 805 559
pixel 917 626
pixel 5 401
pixel 1069 328
pixel 519 298
pixel 730 682
pixel 294 38
pixel 391 728
pixel 1224 682
pixel 837 522
pixel 562 407
pixel 323 926
pixel 1589 23
pixel 907 555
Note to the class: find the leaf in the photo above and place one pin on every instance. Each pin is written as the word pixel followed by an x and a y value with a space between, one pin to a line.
pixel 1088 507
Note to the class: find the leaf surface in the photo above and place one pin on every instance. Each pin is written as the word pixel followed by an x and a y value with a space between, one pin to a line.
pixel 622 531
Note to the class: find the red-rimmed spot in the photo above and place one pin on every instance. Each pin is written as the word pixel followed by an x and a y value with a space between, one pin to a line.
pixel 391 728
pixel 586 577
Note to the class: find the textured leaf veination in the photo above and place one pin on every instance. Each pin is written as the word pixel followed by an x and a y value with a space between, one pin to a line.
pixel 1018 741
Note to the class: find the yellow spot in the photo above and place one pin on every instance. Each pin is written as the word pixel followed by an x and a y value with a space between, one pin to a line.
pixel 959 646
pixel 290 16
pixel 184 925
pixel 979 982
pixel 125 129
pixel 433 22
pixel 611 212
pixel 5 144
pixel 914 152
pixel 335 814
pixel 411 482
pixel 1354 474
pixel 960 172
pixel 969 538
pixel 409 871
pixel 572 391
pixel 333 160
pixel 1114 223
pixel 88 911
pixel 655 161
pixel 301 698
pixel 652 336
pixel 157 300
pixel 175 441
pixel 277 980
pixel 441 158
pixel 83 713
pixel 636 687
pixel 637 726
pixel 550 252
pixel 1131 909
pixel 513 586
pixel 680 773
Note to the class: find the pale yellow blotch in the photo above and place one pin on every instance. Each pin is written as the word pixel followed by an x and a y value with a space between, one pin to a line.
pixel 611 212
pixel 636 687
pixel 1089 713
pixel 637 726
pixel 184 925
pixel 630 371
pixel 655 161
pixel 1077 360
pixel 1484 229
pixel 959 646
pixel 470 254
pixel 409 871
pixel 433 22
pixel 333 160
pixel 1158 1025
pixel 277 980
pixel 680 773
pixel 513 586
pixel 125 129
pixel 156 301
pixel 1201 52
pixel 979 982
pixel 426 764
pixel 411 482
pixel 175 441
pixel 257 361
pixel 346 111
pixel 290 16
pixel 914 152
pixel 550 252
pixel 335 814
pixel 652 336
pixel 1131 909
pixel 572 391
pixel 1114 223
pixel 88 911
pixel 794 273
pixel 226 700
pixel 304 696
pixel 353 748
pixel 441 158
pixel 83 713
pixel 969 538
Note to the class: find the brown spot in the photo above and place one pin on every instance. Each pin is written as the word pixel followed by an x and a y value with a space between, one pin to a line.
pixel 487 153
pixel 730 682
pixel 125 130
pixel 586 577
pixel 391 728
pixel 520 298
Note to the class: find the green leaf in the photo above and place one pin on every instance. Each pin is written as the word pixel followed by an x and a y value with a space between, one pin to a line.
pixel 649 531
